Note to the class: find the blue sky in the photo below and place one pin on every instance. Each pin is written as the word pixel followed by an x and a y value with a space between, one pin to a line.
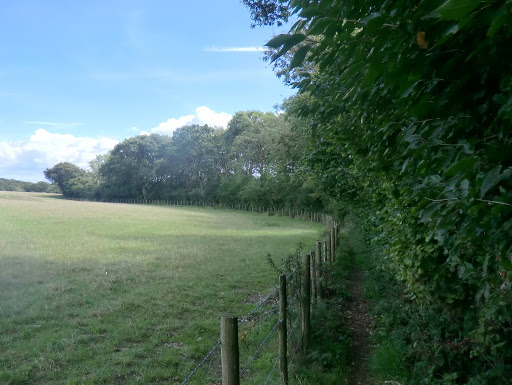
pixel 77 77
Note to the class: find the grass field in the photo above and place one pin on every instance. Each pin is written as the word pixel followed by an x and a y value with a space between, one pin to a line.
pixel 113 293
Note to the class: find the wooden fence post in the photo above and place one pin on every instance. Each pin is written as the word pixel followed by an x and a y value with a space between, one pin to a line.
pixel 333 244
pixel 229 350
pixel 306 302
pixel 328 247
pixel 283 343
pixel 335 235
pixel 313 276
pixel 318 269
pixel 327 263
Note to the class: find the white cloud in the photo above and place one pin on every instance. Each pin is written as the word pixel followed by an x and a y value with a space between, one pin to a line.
pixel 234 49
pixel 27 159
pixel 203 115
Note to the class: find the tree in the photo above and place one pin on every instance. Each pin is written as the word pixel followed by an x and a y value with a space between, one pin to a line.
pixel 96 164
pixel 61 174
pixel 37 187
pixel 17 185
pixel 265 153
pixel 195 161
pixel 268 12
pixel 253 142
pixel 130 169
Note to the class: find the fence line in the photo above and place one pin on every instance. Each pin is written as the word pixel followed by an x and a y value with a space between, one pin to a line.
pixel 304 290
pixel 310 216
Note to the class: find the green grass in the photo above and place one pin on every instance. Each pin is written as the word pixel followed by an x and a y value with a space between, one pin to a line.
pixel 113 293
pixel 328 360
pixel 387 362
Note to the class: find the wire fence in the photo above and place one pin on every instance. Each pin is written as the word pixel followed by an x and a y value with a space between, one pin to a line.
pixel 257 330
pixel 251 326
pixel 259 350
pixel 292 212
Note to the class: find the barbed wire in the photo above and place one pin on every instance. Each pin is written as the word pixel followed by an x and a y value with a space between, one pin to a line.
pixel 271 371
pixel 260 304
pixel 206 358
pixel 290 332
pixel 293 325
pixel 291 273
pixel 260 346
pixel 292 300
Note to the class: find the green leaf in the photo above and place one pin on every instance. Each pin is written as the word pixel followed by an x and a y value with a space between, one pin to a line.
pixel 299 57
pixel 456 9
pixel 374 24
pixel 506 174
pixel 309 12
pixel 451 31
pixel 464 187
pixel 370 17
pixel 462 164
pixel 404 166
pixel 409 90
pixel 498 20
pixel 328 60
pixel 506 263
pixel 285 42
pixel 294 40
pixel 490 179
pixel 318 26
pixel 353 70
pixel 278 40
pixel 427 213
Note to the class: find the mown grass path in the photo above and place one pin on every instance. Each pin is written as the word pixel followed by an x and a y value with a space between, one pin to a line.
pixel 113 293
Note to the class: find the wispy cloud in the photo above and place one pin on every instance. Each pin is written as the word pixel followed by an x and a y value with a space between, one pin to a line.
pixel 234 49
pixel 53 124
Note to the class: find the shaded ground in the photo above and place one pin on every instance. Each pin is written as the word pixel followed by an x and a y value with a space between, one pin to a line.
pixel 359 324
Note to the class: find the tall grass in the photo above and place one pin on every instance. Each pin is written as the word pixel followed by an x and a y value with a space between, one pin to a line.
pixel 106 293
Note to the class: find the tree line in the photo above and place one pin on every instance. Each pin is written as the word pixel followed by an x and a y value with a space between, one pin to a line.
pixel 257 160
pixel 18 185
